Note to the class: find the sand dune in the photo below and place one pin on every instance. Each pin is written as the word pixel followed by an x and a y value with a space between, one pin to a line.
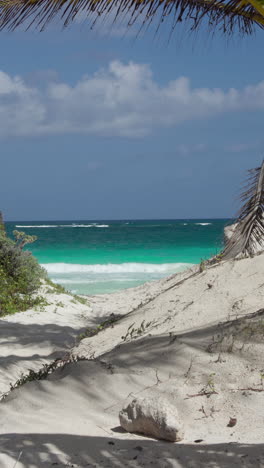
pixel 196 337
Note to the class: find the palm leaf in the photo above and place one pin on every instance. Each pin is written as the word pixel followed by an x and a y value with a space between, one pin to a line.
pixel 226 15
pixel 248 236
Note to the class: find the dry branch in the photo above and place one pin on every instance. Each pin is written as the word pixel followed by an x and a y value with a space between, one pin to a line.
pixel 248 236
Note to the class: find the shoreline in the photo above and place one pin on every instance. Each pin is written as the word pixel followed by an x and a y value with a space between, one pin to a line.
pixel 110 278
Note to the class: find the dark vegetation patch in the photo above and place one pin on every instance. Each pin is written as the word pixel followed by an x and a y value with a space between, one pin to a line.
pixel 92 331
pixel 20 274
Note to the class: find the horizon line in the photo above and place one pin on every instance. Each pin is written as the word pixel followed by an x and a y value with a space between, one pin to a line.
pixel 113 219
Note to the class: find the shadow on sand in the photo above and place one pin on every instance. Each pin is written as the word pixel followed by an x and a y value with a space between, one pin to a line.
pixel 66 450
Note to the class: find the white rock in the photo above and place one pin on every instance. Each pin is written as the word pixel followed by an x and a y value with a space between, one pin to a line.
pixel 153 416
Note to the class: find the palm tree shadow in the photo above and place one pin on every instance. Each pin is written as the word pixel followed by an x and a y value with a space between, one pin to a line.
pixel 173 351
pixel 26 346
pixel 61 450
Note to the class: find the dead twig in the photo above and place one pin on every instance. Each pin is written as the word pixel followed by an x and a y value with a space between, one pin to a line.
pixel 187 373
pixel 157 377
pixel 202 410
pixel 208 394
pixel 252 389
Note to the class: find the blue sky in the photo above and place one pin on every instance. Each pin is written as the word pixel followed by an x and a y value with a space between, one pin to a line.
pixel 106 126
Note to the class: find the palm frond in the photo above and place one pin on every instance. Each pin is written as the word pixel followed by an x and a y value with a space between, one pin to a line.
pixel 248 236
pixel 226 15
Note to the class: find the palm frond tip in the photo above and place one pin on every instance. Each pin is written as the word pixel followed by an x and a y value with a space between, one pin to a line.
pixel 248 236
pixel 226 15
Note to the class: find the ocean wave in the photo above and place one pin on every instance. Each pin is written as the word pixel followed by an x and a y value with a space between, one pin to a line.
pixel 94 225
pixel 76 225
pixel 64 268
pixel 203 224
pixel 102 225
pixel 38 226
pixel 94 281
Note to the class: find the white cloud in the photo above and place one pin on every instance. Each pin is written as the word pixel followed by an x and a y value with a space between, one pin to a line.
pixel 123 100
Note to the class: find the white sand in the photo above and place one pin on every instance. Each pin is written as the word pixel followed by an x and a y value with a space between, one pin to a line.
pixel 194 333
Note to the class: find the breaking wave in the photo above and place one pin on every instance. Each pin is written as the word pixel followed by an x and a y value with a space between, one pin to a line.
pixel 39 226
pixel 69 268
pixel 94 225
pixel 203 224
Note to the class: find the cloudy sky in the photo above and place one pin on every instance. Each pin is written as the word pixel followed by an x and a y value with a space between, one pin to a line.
pixel 102 125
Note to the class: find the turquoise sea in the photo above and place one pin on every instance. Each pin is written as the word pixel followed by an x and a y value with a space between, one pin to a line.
pixel 92 257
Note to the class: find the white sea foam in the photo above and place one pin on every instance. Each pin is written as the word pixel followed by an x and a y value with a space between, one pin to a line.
pixel 203 224
pixel 84 280
pixel 76 225
pixel 38 226
pixel 69 268
pixel 94 225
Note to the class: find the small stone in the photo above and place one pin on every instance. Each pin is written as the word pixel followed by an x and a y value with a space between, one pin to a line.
pixel 232 422
pixel 154 416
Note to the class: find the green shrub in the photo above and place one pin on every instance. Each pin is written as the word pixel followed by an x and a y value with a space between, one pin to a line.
pixel 20 274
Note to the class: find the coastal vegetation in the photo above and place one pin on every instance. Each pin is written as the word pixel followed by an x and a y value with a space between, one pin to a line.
pixel 92 331
pixel 20 273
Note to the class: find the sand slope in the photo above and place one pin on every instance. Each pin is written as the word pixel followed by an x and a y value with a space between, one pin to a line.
pixel 196 337
pixel 32 338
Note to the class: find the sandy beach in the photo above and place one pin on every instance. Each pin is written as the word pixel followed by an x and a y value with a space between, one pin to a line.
pixel 131 234
pixel 195 337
